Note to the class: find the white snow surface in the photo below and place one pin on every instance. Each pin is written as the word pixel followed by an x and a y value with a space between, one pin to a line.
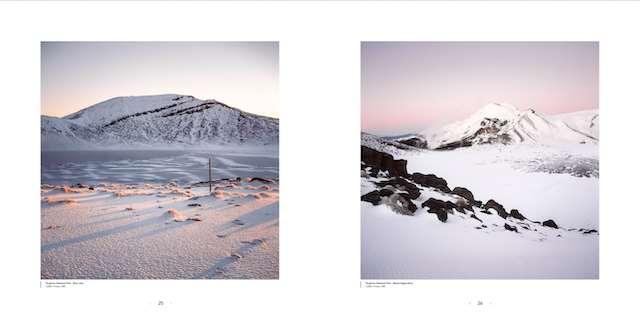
pixel 520 126
pixel 396 246
pixel 157 121
pixel 150 231
pixel 421 247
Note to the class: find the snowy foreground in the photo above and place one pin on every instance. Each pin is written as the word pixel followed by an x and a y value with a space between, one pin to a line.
pixel 541 182
pixel 120 196
pixel 160 231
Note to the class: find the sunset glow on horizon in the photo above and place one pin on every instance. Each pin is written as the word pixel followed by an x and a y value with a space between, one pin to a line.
pixel 409 86
pixel 76 75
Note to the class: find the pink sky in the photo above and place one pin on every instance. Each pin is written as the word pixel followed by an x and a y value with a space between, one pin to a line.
pixel 409 86
pixel 76 75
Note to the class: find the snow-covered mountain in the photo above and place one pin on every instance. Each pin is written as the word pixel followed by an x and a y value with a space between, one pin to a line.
pixel 157 121
pixel 503 123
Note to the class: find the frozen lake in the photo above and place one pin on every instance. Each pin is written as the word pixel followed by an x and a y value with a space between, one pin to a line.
pixel 151 166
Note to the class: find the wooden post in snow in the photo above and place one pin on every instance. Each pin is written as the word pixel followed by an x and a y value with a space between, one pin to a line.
pixel 209 174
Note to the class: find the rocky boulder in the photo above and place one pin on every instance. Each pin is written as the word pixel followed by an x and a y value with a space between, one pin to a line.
pixel 458 205
pixel 516 214
pixel 372 197
pixel 510 228
pixel 439 207
pixel 550 223
pixel 466 194
pixel 399 202
pixel 380 161
pixel 492 204
pixel 402 185
pixel 431 180
pixel 463 192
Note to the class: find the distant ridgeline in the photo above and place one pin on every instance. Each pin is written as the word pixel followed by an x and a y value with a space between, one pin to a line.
pixel 498 123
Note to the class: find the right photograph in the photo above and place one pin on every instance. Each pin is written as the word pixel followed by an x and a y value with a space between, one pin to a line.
pixel 479 160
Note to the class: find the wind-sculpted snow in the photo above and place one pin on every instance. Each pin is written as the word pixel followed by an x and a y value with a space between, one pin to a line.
pixel 574 165
pixel 152 166
pixel 160 230
pixel 155 122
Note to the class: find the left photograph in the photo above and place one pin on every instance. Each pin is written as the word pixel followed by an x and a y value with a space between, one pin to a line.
pixel 159 160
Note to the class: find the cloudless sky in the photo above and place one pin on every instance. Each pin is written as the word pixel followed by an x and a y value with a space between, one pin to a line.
pixel 76 75
pixel 409 86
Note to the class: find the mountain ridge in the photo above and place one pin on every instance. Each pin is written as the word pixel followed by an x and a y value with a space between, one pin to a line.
pixel 505 124
pixel 156 121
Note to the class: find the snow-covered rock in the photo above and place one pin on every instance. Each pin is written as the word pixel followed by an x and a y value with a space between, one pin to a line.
pixel 505 124
pixel 156 121
pixel 382 144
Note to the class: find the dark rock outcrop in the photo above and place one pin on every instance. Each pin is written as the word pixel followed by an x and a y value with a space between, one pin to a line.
pixel 457 206
pixel 403 185
pixel 439 207
pixel 466 194
pixel 398 201
pixel 492 204
pixel 463 192
pixel 372 197
pixel 488 133
pixel 260 180
pixel 516 214
pixel 510 228
pixel 384 192
pixel 590 231
pixel 415 142
pixel 431 180
pixel 550 223
pixel 455 145
pixel 380 161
